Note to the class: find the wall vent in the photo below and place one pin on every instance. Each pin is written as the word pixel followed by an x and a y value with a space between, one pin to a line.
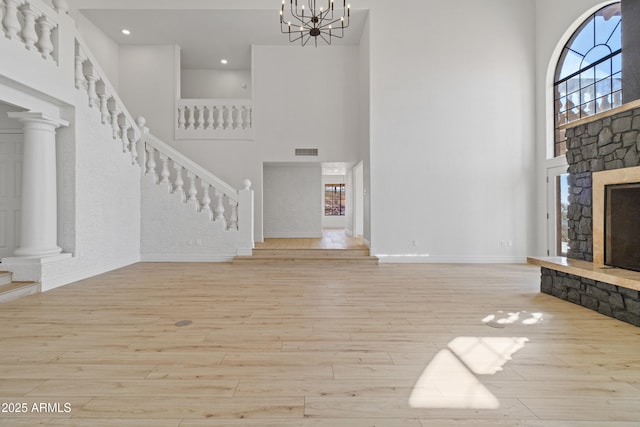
pixel 306 151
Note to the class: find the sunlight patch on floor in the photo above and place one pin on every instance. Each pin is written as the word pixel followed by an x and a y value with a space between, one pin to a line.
pixel 450 380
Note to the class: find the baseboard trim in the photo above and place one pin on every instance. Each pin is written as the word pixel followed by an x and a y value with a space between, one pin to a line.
pixel 65 279
pixel 426 259
pixel 185 258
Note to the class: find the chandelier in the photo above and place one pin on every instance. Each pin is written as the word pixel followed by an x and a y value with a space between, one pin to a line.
pixel 314 22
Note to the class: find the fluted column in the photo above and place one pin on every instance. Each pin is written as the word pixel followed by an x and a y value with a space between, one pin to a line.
pixel 39 221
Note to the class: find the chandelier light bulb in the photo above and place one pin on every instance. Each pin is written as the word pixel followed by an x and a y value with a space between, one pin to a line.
pixel 314 24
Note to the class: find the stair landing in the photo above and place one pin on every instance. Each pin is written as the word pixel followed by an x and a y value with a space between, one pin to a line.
pixel 334 247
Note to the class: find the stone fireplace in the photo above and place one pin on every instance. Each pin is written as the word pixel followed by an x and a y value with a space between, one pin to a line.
pixel 604 158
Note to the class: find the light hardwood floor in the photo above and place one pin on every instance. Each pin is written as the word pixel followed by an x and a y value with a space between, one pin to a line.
pixel 315 346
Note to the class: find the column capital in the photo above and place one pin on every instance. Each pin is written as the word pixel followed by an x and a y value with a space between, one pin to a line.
pixel 30 116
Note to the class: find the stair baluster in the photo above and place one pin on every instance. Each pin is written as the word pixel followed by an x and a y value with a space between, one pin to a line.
pixel 10 21
pixel 233 217
pixel 179 182
pixel 81 80
pixel 219 206
pixel 101 90
pixel 209 124
pixel 45 44
pixel 133 141
pixel 181 119
pixel 28 33
pixel 124 136
pixel 218 117
pixel 115 127
pixel 191 121
pixel 165 174
pixel 206 200
pixel 151 163
pixel 193 190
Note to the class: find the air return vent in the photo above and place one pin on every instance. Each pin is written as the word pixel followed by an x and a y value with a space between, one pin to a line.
pixel 306 151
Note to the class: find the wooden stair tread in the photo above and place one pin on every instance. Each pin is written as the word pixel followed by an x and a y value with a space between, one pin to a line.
pixel 14 290
pixel 5 277
pixel 312 252
pixel 15 285
pixel 309 255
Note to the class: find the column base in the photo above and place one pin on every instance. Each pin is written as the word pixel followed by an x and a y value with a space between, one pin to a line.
pixel 37 252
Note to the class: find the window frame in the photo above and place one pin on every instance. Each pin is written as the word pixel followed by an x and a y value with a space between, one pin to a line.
pixel 333 202
pixel 563 112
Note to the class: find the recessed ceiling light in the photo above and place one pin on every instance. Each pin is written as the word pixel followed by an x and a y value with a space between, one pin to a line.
pixel 126 32
pixel 224 61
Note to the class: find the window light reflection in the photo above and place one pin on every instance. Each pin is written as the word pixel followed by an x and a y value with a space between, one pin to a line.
pixel 450 381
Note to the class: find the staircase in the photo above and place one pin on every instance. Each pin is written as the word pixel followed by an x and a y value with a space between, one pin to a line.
pixel 10 290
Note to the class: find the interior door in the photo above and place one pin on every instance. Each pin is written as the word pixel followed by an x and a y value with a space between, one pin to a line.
pixel 10 191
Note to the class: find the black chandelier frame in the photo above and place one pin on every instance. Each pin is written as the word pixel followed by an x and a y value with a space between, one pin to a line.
pixel 313 22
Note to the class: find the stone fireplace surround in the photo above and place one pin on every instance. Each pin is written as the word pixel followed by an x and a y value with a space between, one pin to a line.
pixel 602 149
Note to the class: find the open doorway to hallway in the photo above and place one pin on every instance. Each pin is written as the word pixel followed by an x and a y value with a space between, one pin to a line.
pixel 300 199
pixel 343 205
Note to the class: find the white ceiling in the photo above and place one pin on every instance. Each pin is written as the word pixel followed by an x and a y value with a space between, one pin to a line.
pixel 207 36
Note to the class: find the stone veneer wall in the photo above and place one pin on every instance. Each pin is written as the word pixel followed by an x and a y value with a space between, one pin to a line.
pixel 610 300
pixel 608 143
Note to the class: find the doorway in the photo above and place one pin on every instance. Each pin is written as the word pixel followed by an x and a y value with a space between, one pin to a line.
pixel 557 211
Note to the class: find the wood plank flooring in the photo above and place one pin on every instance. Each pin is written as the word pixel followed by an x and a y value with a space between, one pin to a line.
pixel 314 346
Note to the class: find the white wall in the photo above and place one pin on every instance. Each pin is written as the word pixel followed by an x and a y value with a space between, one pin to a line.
pixel 555 23
pixel 212 84
pixel 333 221
pixel 306 98
pixel 452 135
pixel 149 77
pixel 292 200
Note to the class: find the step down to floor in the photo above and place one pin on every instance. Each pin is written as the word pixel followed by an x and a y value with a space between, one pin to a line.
pixel 360 256
pixel 10 290
pixel 5 278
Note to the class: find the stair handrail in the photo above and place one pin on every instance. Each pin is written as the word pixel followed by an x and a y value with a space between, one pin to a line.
pixel 108 86
pixel 191 166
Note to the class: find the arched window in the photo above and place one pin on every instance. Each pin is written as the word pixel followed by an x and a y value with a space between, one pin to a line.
pixel 588 77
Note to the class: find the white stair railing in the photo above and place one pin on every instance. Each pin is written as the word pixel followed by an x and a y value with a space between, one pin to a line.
pixel 102 96
pixel 32 23
pixel 229 119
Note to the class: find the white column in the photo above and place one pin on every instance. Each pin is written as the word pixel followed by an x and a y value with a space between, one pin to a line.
pixel 39 221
